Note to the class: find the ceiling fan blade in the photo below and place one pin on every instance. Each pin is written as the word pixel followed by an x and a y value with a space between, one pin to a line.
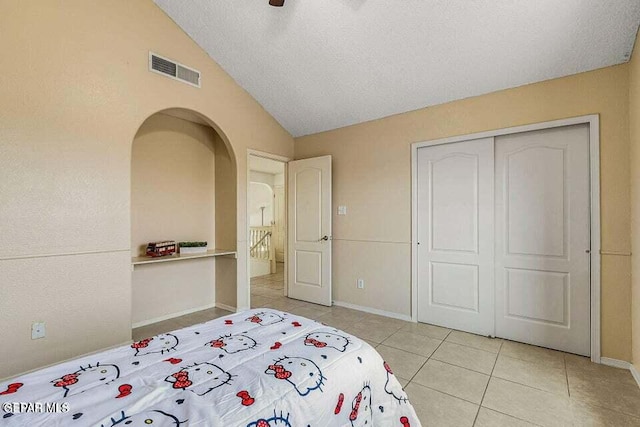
pixel 276 3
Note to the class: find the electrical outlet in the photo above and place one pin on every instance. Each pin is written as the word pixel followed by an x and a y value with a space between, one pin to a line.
pixel 37 330
pixel 360 283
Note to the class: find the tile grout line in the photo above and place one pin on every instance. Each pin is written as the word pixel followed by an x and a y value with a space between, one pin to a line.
pixel 428 358
pixel 495 362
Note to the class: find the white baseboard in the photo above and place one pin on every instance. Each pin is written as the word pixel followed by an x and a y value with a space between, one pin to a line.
pixel 635 373
pixel 622 364
pixel 373 311
pixel 226 307
pixel 172 315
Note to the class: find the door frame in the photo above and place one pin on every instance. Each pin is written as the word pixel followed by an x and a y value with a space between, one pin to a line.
pixel 593 121
pixel 277 158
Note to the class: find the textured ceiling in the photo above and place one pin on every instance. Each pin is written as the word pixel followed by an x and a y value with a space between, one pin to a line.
pixel 317 65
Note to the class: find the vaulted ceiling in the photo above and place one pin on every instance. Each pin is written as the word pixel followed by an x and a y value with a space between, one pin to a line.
pixel 317 65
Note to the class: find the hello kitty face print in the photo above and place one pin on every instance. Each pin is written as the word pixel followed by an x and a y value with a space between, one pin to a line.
pixel 161 344
pixel 265 318
pixel 323 339
pixel 199 378
pixel 393 387
pixel 155 418
pixel 361 412
pixel 233 343
pixel 303 374
pixel 273 421
pixel 87 377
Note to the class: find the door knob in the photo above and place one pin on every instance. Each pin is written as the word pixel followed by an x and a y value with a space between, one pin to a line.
pixel 325 238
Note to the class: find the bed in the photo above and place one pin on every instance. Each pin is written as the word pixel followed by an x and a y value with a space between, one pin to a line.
pixel 258 368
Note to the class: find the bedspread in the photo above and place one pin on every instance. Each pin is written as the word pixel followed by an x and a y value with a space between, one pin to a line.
pixel 258 368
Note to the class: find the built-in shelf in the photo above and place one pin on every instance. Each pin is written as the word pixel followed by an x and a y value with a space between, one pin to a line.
pixel 177 257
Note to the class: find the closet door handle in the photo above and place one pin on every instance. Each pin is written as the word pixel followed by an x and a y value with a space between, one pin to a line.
pixel 325 238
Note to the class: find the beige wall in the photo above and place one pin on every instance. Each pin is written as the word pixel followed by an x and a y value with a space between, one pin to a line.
pixel 371 165
pixel 74 89
pixel 172 198
pixel 227 222
pixel 634 126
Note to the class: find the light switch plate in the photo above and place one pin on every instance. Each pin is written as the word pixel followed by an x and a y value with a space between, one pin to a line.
pixel 342 210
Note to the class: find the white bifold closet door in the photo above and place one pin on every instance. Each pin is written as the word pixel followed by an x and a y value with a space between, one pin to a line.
pixel 455 235
pixel 543 238
pixel 504 237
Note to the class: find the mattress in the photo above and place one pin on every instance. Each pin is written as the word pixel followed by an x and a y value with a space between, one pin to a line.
pixel 258 368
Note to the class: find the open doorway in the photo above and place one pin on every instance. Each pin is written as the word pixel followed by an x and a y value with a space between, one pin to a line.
pixel 266 213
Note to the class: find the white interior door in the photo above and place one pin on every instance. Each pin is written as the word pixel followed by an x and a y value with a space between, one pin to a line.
pixel 543 238
pixel 309 230
pixel 279 230
pixel 455 235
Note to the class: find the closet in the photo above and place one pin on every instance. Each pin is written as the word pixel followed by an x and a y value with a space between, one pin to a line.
pixel 503 233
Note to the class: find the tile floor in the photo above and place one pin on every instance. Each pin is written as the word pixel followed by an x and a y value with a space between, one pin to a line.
pixel 458 379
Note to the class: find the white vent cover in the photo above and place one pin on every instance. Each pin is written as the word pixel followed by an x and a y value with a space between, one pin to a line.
pixel 175 70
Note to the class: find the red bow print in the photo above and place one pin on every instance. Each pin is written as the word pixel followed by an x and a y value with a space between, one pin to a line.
pixel 314 342
pixel 388 368
pixel 276 345
pixel 255 319
pixel 217 344
pixel 247 400
pixel 228 322
pixel 405 422
pixel 280 372
pixel 356 407
pixel 296 324
pixel 182 379
pixel 173 360
pixel 67 380
pixel 262 423
pixel 125 390
pixel 141 344
pixel 12 388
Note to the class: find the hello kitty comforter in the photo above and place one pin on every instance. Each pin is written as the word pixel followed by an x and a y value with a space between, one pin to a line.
pixel 259 368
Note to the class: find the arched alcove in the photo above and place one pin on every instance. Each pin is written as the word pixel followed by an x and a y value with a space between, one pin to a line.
pixel 183 188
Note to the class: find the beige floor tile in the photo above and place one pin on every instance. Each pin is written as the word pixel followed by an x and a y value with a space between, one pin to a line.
pixel 466 357
pixel 403 382
pixel 453 380
pixel 583 366
pixel 402 363
pixel 532 374
pixel 526 403
pixel 309 313
pixel 426 330
pixel 438 409
pixel 592 416
pixel 611 394
pixel 375 333
pixel 282 304
pixel 412 343
pixel 258 301
pixel 532 353
pixel 475 341
pixel 371 343
pixel 264 292
pixel 491 418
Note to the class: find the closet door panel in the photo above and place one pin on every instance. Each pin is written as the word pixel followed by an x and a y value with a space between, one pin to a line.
pixel 455 234
pixel 542 238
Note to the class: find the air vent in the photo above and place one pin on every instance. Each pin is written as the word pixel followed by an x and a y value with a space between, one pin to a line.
pixel 175 70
